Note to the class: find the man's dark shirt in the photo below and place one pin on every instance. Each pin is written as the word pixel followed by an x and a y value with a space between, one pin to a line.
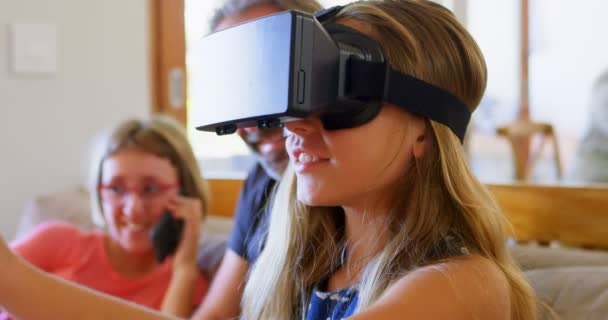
pixel 252 214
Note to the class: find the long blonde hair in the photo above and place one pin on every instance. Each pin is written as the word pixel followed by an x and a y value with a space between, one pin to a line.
pixel 159 135
pixel 425 40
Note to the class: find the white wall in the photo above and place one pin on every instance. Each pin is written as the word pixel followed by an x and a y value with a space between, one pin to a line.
pixel 46 123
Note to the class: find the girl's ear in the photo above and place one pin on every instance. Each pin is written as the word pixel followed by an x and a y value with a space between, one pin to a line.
pixel 421 132
pixel 419 146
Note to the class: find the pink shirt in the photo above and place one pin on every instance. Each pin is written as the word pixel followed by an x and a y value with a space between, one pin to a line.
pixel 72 254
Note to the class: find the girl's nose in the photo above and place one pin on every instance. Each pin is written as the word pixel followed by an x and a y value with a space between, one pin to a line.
pixel 133 205
pixel 302 127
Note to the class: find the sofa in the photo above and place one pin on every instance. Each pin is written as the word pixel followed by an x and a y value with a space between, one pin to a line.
pixel 572 282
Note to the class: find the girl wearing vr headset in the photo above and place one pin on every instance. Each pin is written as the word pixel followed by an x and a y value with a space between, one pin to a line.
pixel 386 220
pixel 380 221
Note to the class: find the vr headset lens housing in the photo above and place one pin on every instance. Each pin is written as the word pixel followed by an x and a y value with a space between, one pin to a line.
pixel 293 65
pixel 241 79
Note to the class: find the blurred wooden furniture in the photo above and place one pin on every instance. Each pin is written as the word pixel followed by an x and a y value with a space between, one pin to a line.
pixel 224 195
pixel 576 216
pixel 520 134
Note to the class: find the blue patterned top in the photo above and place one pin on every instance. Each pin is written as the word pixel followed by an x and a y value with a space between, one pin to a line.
pixel 334 305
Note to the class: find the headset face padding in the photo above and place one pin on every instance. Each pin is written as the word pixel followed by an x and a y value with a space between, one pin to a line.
pixel 353 45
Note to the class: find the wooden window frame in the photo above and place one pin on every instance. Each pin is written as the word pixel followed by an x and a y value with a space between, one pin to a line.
pixel 168 85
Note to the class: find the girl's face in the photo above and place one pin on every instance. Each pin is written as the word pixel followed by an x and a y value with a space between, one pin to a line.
pixel 351 166
pixel 135 188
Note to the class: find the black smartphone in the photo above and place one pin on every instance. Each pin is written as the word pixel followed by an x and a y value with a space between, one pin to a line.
pixel 165 236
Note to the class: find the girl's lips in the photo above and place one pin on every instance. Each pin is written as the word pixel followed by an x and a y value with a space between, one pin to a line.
pixel 136 226
pixel 305 166
pixel 298 151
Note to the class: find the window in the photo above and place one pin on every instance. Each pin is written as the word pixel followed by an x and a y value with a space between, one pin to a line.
pixel 495 27
pixel 565 59
pixel 219 156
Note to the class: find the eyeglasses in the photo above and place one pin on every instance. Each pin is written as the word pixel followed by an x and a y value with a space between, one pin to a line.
pixel 116 194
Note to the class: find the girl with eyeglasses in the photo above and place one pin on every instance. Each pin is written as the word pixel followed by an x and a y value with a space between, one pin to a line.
pixel 142 169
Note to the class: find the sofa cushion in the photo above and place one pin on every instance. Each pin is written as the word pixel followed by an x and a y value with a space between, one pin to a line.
pixel 536 257
pixel 573 293
pixel 69 206
pixel 214 241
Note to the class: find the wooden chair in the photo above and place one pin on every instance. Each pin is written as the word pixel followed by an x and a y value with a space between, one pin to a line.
pixel 519 134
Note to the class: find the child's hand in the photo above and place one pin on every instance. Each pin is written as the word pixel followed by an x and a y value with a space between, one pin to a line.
pixel 189 210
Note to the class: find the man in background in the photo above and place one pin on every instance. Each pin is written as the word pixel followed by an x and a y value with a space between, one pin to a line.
pixel 268 146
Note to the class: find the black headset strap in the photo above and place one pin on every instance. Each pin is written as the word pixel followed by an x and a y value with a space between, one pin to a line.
pixel 374 80
pixel 425 99
pixel 379 81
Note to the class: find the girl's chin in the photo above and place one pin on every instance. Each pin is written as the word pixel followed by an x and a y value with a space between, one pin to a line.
pixel 314 200
pixel 138 249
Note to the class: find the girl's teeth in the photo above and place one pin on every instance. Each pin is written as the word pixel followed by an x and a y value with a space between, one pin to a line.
pixel 305 157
